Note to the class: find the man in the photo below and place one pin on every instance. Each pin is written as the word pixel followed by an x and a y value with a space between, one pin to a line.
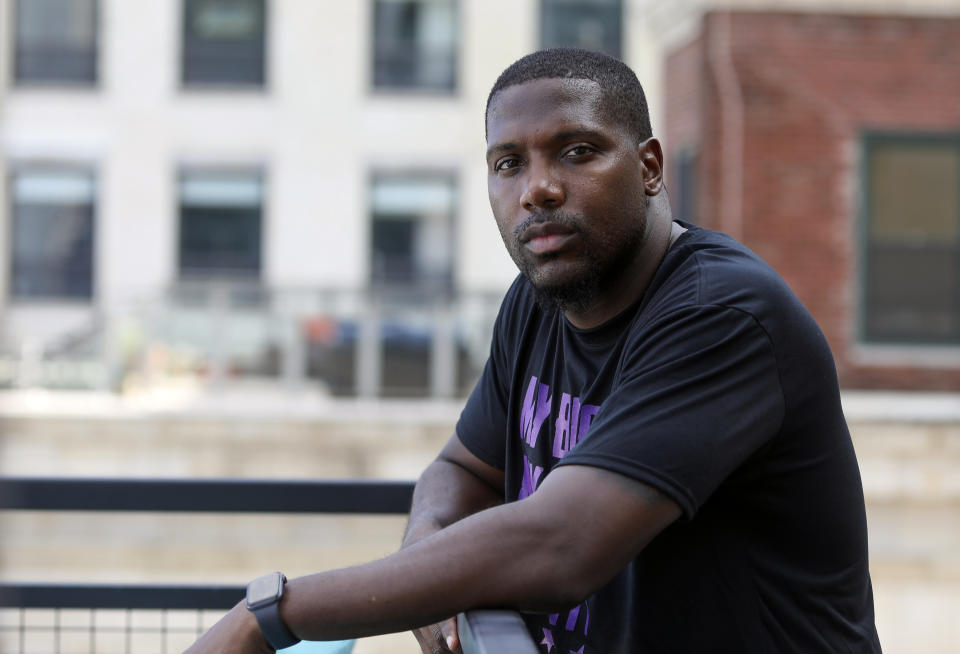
pixel 655 458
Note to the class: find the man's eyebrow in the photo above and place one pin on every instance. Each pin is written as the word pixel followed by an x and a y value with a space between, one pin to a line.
pixel 500 147
pixel 563 135
pixel 582 132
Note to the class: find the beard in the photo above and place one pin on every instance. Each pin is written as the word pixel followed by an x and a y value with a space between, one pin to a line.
pixel 603 258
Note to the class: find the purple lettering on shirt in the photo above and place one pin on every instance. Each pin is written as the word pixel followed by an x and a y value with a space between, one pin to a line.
pixel 561 435
pixel 536 408
pixel 531 475
pixel 587 411
pixel 572 618
pixel 572 423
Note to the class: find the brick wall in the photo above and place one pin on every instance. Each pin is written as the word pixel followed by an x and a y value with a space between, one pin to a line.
pixel 775 104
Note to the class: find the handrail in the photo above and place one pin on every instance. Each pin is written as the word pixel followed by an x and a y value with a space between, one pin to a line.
pixel 494 632
pixel 118 596
pixel 213 495
pixel 482 632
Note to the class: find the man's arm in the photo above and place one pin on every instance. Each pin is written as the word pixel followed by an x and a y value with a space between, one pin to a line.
pixel 546 552
pixel 455 485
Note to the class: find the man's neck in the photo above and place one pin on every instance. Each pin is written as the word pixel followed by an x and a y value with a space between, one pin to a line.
pixel 676 229
pixel 635 279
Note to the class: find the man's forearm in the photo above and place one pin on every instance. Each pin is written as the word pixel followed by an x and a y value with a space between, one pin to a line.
pixel 545 553
pixel 445 493
pixel 483 560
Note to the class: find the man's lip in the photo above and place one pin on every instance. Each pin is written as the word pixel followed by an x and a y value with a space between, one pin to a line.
pixel 545 238
pixel 544 229
pixel 548 243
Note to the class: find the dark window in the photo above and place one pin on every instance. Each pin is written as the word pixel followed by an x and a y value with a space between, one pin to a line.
pixel 412 231
pixel 415 44
pixel 223 42
pixel 52 234
pixel 220 224
pixel 912 240
pixel 55 41
pixel 587 24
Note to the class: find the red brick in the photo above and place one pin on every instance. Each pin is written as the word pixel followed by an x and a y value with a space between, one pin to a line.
pixel 810 85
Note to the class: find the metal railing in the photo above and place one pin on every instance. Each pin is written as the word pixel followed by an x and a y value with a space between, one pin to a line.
pixel 347 342
pixel 482 632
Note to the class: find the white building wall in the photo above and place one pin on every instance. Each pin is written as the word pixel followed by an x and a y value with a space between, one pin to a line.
pixel 317 130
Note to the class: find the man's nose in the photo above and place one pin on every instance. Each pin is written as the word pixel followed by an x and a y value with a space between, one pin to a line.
pixel 543 190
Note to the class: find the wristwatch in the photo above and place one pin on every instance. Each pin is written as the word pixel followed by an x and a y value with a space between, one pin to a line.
pixel 263 599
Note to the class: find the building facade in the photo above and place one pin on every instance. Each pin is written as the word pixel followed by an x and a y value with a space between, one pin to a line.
pixel 285 147
pixel 296 188
pixel 830 144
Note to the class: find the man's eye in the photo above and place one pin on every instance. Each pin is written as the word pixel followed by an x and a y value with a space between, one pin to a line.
pixel 578 151
pixel 506 164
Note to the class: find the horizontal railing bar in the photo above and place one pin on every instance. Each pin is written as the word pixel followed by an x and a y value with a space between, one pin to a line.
pixel 100 629
pixel 118 596
pixel 209 495
pixel 482 632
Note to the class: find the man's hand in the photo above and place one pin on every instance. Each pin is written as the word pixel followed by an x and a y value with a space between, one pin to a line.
pixel 237 632
pixel 439 638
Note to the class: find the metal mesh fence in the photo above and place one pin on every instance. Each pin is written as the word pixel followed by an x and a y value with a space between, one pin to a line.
pixel 101 631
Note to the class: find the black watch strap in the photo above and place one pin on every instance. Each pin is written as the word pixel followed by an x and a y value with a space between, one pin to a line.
pixel 273 628
pixel 268 617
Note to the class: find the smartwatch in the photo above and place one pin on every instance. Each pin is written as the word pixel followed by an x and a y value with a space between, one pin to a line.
pixel 263 600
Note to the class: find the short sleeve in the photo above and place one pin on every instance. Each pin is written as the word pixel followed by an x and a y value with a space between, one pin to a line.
pixel 697 393
pixel 482 427
pixel 482 424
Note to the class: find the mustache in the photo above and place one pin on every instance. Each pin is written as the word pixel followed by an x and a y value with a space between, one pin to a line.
pixel 564 218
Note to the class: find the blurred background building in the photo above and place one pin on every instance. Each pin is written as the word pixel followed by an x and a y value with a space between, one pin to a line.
pixel 222 189
pixel 229 226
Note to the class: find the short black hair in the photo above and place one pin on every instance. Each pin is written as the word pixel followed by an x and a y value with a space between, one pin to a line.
pixel 622 95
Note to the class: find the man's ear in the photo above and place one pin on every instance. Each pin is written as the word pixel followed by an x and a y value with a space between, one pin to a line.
pixel 651 159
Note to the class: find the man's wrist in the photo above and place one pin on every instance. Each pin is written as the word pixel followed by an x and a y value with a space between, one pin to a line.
pixel 263 602
pixel 251 628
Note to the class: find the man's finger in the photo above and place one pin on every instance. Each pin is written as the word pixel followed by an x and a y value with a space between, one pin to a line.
pixel 430 640
pixel 451 637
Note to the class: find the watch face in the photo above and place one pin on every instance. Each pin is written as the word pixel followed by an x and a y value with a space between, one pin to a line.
pixel 264 590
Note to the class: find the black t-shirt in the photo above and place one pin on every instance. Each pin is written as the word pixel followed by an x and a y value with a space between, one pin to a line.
pixel 718 389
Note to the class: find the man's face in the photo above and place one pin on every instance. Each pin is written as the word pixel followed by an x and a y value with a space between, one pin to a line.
pixel 566 188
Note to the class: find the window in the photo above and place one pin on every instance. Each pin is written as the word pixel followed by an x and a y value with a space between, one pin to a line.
pixel 223 42
pixel 912 240
pixel 52 238
pixel 55 41
pixel 412 231
pixel 220 224
pixel 415 44
pixel 587 24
